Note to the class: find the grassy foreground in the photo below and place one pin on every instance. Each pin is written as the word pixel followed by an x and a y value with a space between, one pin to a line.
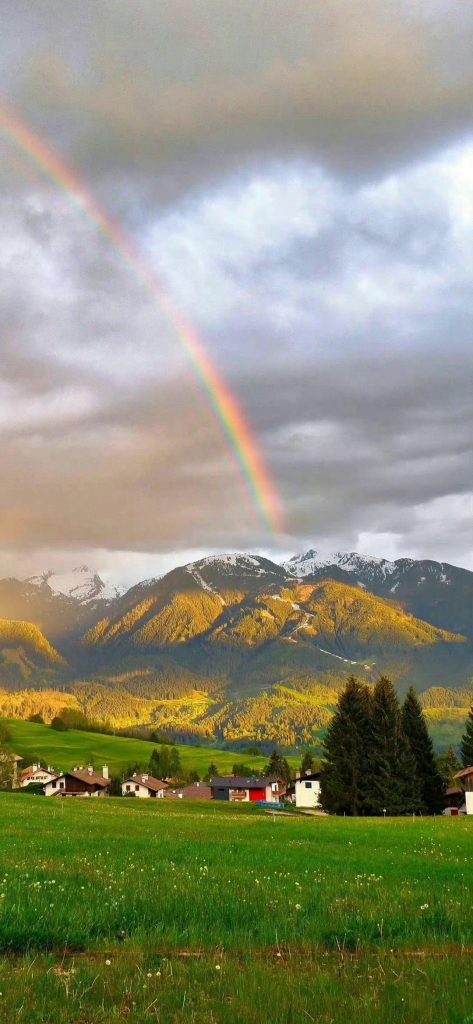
pixel 64 750
pixel 113 910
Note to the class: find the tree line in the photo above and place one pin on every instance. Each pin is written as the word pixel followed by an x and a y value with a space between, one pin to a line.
pixel 378 755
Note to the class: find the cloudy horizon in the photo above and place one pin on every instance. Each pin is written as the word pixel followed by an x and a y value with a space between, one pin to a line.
pixel 305 196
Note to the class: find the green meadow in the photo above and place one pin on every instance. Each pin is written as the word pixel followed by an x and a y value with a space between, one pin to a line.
pixel 139 910
pixel 65 750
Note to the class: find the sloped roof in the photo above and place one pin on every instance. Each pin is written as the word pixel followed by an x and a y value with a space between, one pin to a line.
pixel 92 778
pixel 240 782
pixel 148 781
pixel 464 772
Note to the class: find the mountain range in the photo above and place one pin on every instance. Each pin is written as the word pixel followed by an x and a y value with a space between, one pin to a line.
pixel 236 647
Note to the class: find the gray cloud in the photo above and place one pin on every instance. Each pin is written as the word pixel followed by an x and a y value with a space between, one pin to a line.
pixel 301 183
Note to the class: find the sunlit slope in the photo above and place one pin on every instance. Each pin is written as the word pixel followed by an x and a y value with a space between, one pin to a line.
pixel 26 654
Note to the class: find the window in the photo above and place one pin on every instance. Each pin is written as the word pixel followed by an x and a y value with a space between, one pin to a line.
pixel 62 785
pixel 54 783
pixel 308 785
pixel 128 789
pixel 137 788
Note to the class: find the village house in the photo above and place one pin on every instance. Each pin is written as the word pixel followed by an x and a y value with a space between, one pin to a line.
pixel 239 789
pixel 143 786
pixel 306 790
pixel 195 791
pixel 35 774
pixel 79 782
pixel 465 780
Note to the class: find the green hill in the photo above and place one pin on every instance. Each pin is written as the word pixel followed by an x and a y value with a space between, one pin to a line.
pixel 64 750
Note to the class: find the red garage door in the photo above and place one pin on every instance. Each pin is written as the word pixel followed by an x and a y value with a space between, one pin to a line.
pixel 257 794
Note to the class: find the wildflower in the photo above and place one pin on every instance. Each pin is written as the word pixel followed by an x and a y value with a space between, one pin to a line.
pixel 425 906
pixel 107 963
pixel 217 967
pixel 298 906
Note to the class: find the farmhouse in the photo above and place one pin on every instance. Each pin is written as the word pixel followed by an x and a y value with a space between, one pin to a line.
pixel 143 786
pixel 195 791
pixel 307 790
pixel 239 789
pixel 79 782
pixel 35 774
pixel 465 780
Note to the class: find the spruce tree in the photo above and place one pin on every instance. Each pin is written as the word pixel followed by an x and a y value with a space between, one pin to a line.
pixel 420 743
pixel 466 745
pixel 344 776
pixel 448 765
pixel 278 767
pixel 307 763
pixel 393 784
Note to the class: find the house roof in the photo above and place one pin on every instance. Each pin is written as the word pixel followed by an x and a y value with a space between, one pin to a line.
pixel 309 777
pixel 148 781
pixel 464 772
pixel 453 790
pixel 240 782
pixel 10 756
pixel 31 770
pixel 197 791
pixel 93 778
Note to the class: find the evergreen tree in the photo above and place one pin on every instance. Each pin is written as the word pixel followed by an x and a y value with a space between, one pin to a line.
pixel 194 776
pixel 239 768
pixel 277 767
pixel 154 767
pixel 344 775
pixel 175 767
pixel 393 784
pixel 211 773
pixel 307 763
pixel 466 745
pixel 448 765
pixel 420 743
pixel 58 724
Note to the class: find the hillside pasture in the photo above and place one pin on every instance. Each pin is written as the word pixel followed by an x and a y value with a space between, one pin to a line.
pixel 65 750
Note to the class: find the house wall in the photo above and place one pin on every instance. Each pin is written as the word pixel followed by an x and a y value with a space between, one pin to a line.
pixel 37 777
pixel 469 802
pixel 307 793
pixel 138 790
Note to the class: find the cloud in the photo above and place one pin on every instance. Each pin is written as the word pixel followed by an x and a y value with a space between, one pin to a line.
pixel 304 194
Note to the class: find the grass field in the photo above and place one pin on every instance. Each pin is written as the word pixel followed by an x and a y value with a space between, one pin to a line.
pixel 65 750
pixel 114 910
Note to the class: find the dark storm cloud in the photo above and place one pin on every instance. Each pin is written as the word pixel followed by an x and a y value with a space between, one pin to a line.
pixel 299 175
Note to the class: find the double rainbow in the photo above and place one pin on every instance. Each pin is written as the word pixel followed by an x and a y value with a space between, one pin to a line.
pixel 224 406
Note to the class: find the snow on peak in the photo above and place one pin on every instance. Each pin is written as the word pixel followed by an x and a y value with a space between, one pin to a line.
pixel 311 561
pixel 81 583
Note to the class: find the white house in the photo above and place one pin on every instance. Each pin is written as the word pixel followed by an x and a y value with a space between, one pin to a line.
pixel 143 786
pixel 35 773
pixel 307 790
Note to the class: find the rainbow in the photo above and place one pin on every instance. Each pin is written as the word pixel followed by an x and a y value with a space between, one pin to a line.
pixel 225 408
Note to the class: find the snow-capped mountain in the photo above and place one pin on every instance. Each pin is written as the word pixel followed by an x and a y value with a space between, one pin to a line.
pixel 312 561
pixel 82 583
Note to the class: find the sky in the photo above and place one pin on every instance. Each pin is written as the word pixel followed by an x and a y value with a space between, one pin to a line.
pixel 299 177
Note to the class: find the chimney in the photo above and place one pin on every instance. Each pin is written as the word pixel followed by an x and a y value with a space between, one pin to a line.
pixel 105 771
pixel 145 778
pixel 35 767
pixel 90 768
pixel 298 775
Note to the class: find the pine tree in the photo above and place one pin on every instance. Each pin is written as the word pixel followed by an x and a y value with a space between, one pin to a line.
pixel 448 765
pixel 175 767
pixel 466 745
pixel 278 767
pixel 393 784
pixel 307 763
pixel 344 776
pixel 420 743
pixel 211 773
